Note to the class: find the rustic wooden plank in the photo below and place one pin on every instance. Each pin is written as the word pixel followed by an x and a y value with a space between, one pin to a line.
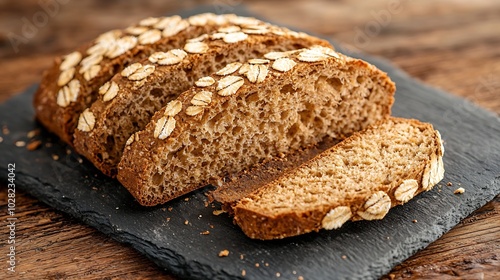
pixel 450 44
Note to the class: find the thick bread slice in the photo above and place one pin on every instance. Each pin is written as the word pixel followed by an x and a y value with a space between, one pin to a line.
pixel 131 98
pixel 71 84
pixel 233 188
pixel 360 178
pixel 265 108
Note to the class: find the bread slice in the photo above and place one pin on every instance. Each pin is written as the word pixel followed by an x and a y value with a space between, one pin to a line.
pixel 230 190
pixel 131 98
pixel 249 113
pixel 360 178
pixel 71 84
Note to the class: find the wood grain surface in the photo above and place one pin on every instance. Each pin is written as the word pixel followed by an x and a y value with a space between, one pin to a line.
pixel 450 44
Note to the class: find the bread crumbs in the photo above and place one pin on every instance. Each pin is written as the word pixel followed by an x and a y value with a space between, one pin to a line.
pixel 224 253
pixel 186 222
pixel 459 191
pixel 218 212
pixel 33 145
pixel 243 273
pixel 206 232
pixel 33 133
pixel 20 143
pixel 449 184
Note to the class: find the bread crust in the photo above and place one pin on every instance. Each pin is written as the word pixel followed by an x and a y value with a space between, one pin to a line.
pixel 143 158
pixel 102 61
pixel 260 224
pixel 104 144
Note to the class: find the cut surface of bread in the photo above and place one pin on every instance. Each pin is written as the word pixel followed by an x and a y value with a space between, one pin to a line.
pixel 249 113
pixel 360 178
pixel 237 186
pixel 127 103
pixel 71 85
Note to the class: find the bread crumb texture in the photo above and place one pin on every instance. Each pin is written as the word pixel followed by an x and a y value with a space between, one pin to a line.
pixel 360 178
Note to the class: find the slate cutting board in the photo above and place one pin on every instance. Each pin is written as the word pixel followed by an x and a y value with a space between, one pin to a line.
pixel 371 249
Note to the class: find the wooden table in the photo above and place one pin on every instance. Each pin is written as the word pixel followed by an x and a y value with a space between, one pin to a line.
pixel 450 44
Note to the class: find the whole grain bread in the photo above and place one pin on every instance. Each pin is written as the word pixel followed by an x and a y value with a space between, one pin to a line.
pixel 71 84
pixel 234 187
pixel 129 100
pixel 251 112
pixel 360 178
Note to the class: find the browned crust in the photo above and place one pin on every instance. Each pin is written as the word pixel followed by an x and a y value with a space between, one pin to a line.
pixel 63 120
pixel 257 225
pixel 134 176
pixel 91 146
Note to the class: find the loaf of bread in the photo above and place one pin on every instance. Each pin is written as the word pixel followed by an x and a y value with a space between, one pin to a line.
pixel 129 100
pixel 247 113
pixel 71 85
pixel 360 178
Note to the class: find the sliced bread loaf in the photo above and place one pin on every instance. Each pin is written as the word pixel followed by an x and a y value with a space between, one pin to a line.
pixel 71 84
pixel 360 178
pixel 247 113
pixel 129 100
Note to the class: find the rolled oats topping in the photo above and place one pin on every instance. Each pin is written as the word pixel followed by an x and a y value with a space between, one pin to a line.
pixel 99 49
pixel 86 121
pixel 200 38
pixel 312 55
pixel 92 72
pixel 257 73
pixel 150 21
pixel 132 68
pixel 70 61
pixel 205 82
pixel 109 36
pixel 406 190
pixel 229 69
pixel 166 22
pixel 65 76
pixel 142 73
pixel 235 37
pixel 121 46
pixel 283 64
pixel 89 61
pixel 229 29
pixel 196 47
pixel 174 28
pixel 109 91
pixel 327 51
pixel 136 30
pixel 336 217
pixel 229 85
pixel 194 110
pixel 244 69
pixel 168 58
pixel 68 93
pixel 173 108
pixel 258 61
pixel 150 37
pixel 376 206
pixel 164 127
pixel 202 98
pixel 217 36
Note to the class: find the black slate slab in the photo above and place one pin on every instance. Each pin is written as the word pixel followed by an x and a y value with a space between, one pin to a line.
pixel 472 160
